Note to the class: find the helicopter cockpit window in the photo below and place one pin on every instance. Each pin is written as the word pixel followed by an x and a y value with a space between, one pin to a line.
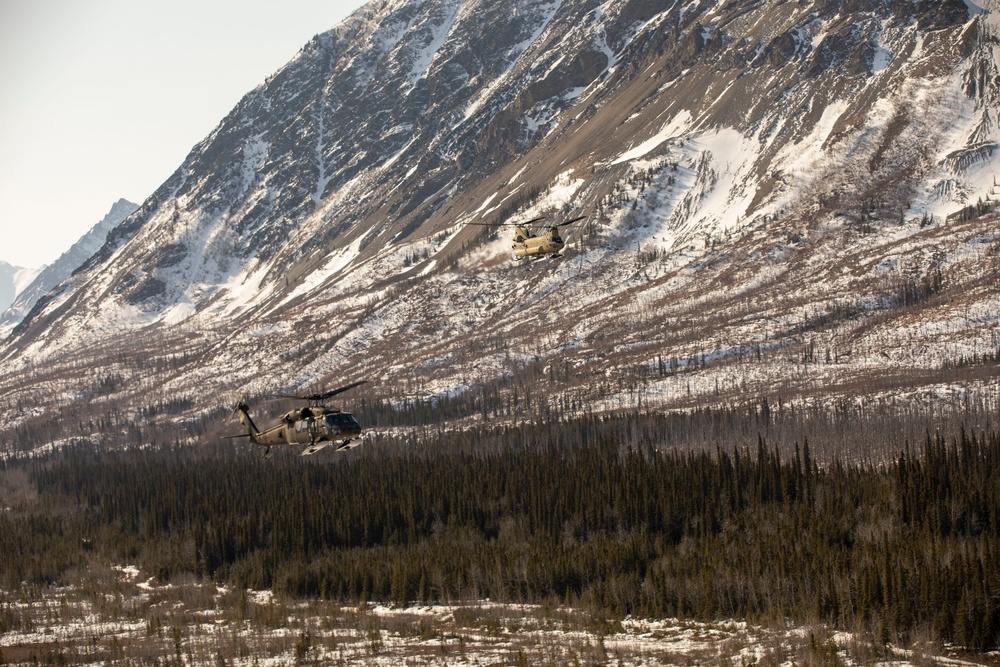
pixel 341 420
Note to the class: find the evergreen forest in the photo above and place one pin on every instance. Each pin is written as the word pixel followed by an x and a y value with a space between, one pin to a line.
pixel 591 512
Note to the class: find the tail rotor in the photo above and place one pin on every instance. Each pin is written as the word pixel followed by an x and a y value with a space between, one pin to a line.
pixel 241 411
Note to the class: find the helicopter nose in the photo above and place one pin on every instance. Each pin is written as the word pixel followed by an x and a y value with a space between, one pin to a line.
pixel 351 429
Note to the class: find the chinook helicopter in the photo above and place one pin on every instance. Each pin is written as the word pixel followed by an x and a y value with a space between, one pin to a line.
pixel 535 246
pixel 316 426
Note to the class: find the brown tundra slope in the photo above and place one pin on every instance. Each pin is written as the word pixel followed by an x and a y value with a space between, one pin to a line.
pixel 791 200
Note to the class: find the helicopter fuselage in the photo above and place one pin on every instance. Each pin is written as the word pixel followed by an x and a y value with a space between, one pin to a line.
pixel 526 245
pixel 315 426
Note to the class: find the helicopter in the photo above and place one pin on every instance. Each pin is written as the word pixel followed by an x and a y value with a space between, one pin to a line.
pixel 316 426
pixel 530 245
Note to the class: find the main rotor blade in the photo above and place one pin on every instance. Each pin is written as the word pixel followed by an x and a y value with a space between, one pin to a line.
pixel 507 224
pixel 323 396
pixel 334 392
pixel 570 222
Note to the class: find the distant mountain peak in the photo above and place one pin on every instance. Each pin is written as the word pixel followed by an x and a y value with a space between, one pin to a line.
pixel 40 282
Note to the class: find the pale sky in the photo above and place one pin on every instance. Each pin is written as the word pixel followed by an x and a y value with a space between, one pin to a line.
pixel 103 99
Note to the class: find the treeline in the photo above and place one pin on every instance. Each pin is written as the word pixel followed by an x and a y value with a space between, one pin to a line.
pixel 590 513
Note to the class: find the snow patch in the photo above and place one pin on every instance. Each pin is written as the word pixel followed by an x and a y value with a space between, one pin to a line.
pixel 335 263
pixel 439 34
pixel 517 52
pixel 243 288
pixel 485 204
pixel 254 155
pixel 882 59
pixel 671 130
pixel 177 313
pixel 804 156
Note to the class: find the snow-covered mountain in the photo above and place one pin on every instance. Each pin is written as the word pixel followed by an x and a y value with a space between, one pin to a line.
pixel 13 280
pixel 43 280
pixel 782 198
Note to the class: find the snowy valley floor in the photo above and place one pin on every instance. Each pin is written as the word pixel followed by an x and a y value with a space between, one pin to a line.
pixel 134 621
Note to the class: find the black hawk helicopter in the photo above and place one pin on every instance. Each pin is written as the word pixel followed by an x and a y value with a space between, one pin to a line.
pixel 316 426
pixel 526 244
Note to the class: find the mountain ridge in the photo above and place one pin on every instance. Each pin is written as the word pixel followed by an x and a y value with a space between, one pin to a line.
pixel 48 277
pixel 13 280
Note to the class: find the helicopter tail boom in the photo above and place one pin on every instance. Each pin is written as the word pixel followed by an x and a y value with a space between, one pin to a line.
pixel 243 411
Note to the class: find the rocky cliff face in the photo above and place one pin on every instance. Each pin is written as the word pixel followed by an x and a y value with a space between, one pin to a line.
pixel 767 188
